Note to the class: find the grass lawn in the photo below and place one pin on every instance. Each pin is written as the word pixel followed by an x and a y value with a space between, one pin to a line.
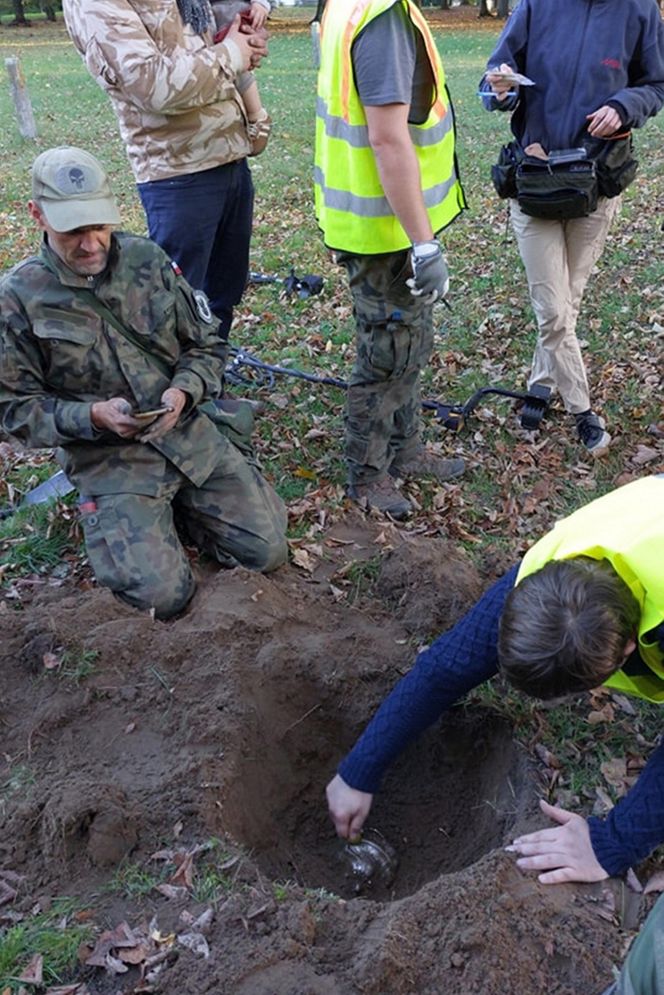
pixel 516 486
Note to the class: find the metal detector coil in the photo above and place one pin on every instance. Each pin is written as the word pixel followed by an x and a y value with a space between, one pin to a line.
pixel 535 404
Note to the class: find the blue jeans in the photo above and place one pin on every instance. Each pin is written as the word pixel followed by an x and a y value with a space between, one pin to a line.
pixel 203 221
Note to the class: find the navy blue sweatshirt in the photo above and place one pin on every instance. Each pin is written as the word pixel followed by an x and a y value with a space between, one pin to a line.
pixel 458 661
pixel 581 54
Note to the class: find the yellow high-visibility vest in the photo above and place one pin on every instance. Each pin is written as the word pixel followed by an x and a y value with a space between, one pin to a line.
pixel 625 527
pixel 351 206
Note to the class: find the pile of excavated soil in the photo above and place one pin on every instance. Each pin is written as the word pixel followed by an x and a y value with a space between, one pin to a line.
pixel 228 722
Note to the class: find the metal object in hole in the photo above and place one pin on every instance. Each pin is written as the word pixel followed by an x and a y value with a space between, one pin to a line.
pixel 370 860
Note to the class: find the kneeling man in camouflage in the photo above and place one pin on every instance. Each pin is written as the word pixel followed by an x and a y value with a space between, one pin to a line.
pixel 107 353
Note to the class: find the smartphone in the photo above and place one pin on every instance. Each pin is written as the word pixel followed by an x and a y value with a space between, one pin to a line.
pixel 149 415
pixel 567 155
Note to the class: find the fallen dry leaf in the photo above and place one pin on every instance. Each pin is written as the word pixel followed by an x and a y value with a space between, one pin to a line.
pixel 120 937
pixel 643 455
pixel 184 874
pixel 135 955
pixel 633 882
pixel 624 704
pixel 168 855
pixel 114 965
pixel 604 799
pixel 547 758
pixel 80 989
pixel 614 772
pixel 201 924
pixel 301 558
pixel 33 973
pixel 655 883
pixel 605 714
pixel 195 942
pixel 171 890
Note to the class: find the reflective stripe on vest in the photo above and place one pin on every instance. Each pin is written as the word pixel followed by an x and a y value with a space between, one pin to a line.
pixel 625 527
pixel 351 206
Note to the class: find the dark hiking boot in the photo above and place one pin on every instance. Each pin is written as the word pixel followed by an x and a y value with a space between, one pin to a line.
pixel 427 464
pixel 383 495
pixel 591 430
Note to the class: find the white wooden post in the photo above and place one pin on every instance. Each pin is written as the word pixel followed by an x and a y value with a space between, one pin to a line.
pixel 22 104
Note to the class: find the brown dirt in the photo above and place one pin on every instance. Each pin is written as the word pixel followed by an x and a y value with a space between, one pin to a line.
pixel 230 720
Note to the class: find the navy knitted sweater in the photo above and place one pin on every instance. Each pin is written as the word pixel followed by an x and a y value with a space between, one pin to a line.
pixel 454 664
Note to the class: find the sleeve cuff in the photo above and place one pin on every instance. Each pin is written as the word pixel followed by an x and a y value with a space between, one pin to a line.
pixel 622 112
pixel 191 384
pixel 264 3
pixel 613 858
pixel 359 775
pixel 234 55
pixel 73 420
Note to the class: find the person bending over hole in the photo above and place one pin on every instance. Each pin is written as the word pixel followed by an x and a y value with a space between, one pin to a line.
pixel 584 608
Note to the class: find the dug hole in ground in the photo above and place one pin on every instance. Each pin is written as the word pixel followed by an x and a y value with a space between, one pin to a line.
pixel 225 725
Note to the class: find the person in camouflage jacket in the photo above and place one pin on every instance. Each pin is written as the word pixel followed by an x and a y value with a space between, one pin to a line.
pixel 183 123
pixel 98 326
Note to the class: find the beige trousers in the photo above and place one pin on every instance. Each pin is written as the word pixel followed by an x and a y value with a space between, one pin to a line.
pixel 558 257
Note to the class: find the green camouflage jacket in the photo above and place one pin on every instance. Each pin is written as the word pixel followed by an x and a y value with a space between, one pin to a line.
pixel 58 356
pixel 173 91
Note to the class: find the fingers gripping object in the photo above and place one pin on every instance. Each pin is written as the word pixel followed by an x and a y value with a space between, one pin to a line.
pixel 430 279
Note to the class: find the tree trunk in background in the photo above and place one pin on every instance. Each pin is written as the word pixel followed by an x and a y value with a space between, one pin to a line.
pixel 484 10
pixel 19 13
pixel 503 9
pixel 48 10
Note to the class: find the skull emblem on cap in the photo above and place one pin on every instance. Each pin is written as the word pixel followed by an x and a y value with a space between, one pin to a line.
pixel 76 177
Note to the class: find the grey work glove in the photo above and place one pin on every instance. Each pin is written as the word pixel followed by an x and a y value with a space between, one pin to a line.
pixel 430 279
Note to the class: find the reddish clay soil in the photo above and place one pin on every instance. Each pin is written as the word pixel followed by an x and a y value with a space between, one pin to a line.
pixel 227 723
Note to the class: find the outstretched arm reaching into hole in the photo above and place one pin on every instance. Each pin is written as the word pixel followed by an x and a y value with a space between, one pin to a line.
pixel 459 660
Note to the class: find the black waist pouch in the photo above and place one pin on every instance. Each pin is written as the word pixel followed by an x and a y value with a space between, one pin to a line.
pixel 614 161
pixel 503 173
pixel 556 192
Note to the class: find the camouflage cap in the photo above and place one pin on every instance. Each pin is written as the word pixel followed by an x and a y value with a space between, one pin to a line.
pixel 72 189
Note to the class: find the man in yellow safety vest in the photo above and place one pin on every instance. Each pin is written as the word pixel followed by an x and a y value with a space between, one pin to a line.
pixel 386 183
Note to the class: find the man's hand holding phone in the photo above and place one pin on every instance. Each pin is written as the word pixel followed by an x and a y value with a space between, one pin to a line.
pixel 173 400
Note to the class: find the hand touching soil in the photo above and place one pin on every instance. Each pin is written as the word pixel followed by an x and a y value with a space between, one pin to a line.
pixel 564 853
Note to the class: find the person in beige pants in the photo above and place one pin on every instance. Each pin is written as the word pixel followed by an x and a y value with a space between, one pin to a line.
pixel 558 257
pixel 577 77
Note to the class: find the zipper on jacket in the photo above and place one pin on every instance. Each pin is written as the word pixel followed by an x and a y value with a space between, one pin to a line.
pixel 579 51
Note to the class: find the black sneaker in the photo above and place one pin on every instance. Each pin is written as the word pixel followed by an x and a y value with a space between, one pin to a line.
pixel 591 429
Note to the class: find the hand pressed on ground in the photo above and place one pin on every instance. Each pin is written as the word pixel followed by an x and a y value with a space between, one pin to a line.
pixel 563 853
pixel 348 807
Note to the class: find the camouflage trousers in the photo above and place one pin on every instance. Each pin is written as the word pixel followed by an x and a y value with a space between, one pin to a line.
pixel 133 544
pixel 394 343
